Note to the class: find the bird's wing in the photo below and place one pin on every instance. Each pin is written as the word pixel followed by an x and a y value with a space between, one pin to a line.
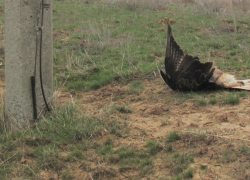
pixel 173 58
pixel 193 74
pixel 184 72
pixel 174 54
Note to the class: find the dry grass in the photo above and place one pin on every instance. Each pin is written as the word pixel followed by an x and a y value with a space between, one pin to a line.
pixel 134 4
pixel 222 5
pixel 206 5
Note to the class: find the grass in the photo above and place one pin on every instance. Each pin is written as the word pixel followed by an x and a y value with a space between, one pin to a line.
pixel 75 154
pixel 228 157
pixel 48 159
pixel 188 173
pixel 66 125
pixel 117 42
pixel 100 50
pixel 232 99
pixel 153 147
pixel 213 100
pixel 201 102
pixel 67 176
pixel 136 87
pixel 245 149
pixel 120 44
pixel 173 136
pixel 97 44
pixel 128 158
pixel 179 165
pixel 123 109
pixel 203 167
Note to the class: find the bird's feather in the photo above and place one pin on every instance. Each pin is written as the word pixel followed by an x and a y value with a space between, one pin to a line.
pixel 184 72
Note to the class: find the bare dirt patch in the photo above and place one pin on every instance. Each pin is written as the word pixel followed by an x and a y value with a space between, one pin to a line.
pixel 155 114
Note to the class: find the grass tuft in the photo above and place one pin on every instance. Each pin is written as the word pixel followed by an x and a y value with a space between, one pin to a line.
pixel 203 167
pixel 169 147
pixel 188 173
pixel 153 147
pixel 75 154
pixel 201 102
pixel 123 109
pixel 48 159
pixel 228 157
pixel 180 164
pixel 213 100
pixel 67 176
pixel 136 87
pixel 245 150
pixel 232 99
pixel 67 124
pixel 173 136
pixel 106 149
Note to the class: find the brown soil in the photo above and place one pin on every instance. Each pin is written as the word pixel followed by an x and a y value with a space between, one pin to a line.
pixel 157 114
pixel 154 115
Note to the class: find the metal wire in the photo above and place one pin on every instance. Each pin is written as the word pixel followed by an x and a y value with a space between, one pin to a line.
pixel 33 78
pixel 41 45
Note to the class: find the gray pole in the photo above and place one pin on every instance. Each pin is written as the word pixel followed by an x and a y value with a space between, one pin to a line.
pixel 23 34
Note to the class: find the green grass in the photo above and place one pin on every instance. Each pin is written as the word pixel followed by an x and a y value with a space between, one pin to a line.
pixel 66 124
pixel 67 176
pixel 48 159
pixel 179 165
pixel 213 100
pixel 75 154
pixel 173 136
pixel 153 147
pixel 96 44
pixel 123 109
pixel 228 157
pixel 136 87
pixel 232 99
pixel 245 150
pixel 201 102
pixel 65 129
pixel 116 52
pixel 188 173
pixel 169 147
pixel 119 40
pixel 203 167
pixel 128 158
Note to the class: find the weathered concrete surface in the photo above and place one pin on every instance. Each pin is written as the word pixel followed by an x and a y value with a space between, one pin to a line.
pixel 20 47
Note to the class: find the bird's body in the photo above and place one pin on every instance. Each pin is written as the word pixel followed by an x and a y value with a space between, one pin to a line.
pixel 224 79
pixel 185 72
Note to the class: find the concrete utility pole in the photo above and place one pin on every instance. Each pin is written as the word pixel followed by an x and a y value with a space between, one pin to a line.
pixel 28 29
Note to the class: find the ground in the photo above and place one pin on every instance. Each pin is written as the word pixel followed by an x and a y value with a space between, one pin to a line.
pixel 215 135
pixel 113 115
pixel 154 115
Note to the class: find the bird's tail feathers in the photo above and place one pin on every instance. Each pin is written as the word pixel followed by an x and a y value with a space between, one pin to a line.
pixel 228 81
pixel 245 85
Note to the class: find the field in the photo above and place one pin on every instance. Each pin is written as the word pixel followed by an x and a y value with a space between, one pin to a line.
pixel 114 117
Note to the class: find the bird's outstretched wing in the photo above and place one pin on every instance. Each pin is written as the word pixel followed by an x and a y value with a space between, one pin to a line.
pixel 184 72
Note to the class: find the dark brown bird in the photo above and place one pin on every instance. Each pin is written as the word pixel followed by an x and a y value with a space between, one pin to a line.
pixel 185 72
